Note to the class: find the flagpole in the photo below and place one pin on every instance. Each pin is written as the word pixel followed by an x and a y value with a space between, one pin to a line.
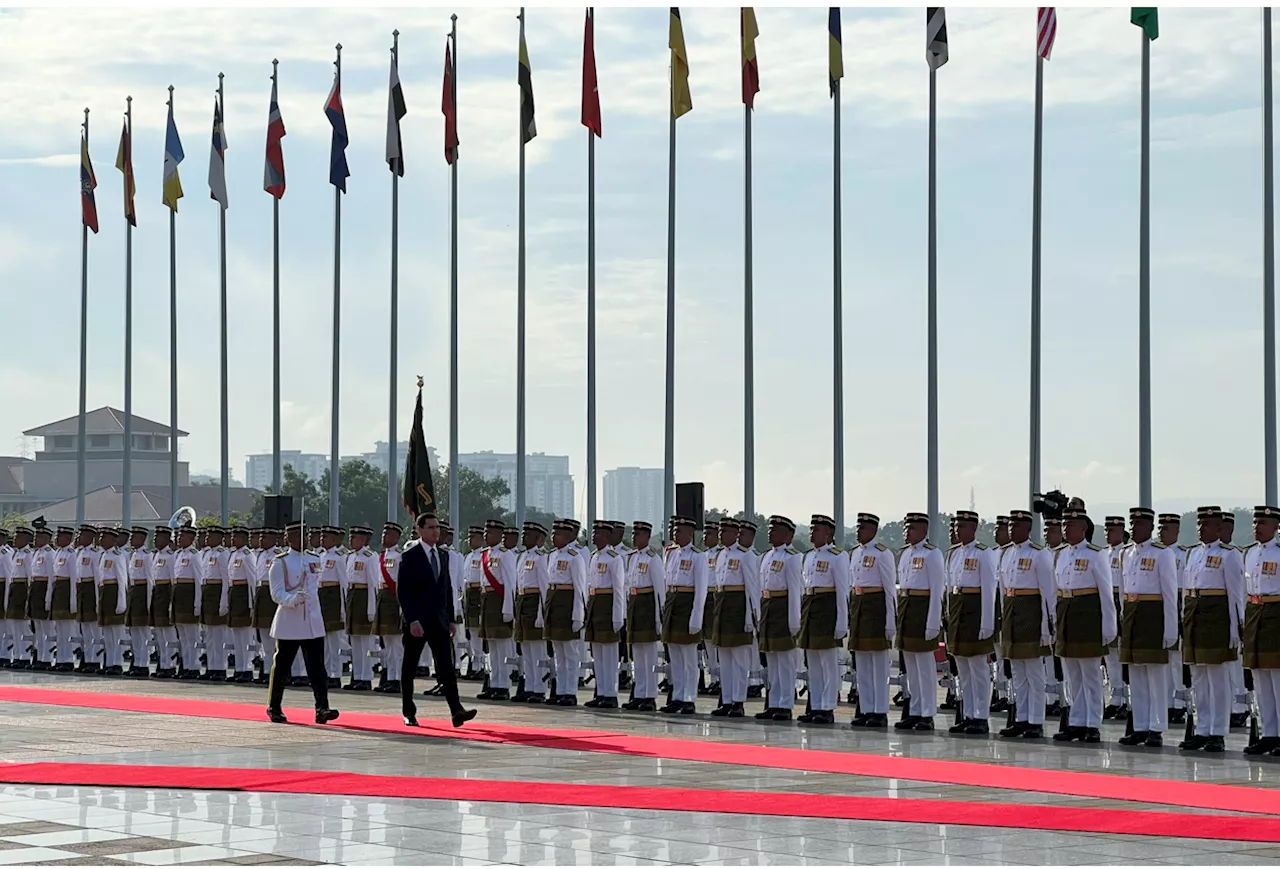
pixel 84 349
pixel 591 309
pixel 669 437
pixel 276 470
pixel 935 527
pixel 1268 264
pixel 126 505
pixel 392 504
pixel 225 458
pixel 337 312
pixel 455 507
pixel 173 353
pixel 1033 452
pixel 520 317
pixel 748 334
pixel 837 311
pixel 1144 285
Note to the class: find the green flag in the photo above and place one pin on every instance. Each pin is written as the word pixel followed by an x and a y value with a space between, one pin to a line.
pixel 1146 18
pixel 419 494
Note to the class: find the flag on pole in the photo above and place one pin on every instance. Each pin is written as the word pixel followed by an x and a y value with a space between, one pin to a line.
pixel 218 158
pixel 273 173
pixel 1046 30
pixel 419 494
pixel 681 98
pixel 590 87
pixel 449 110
pixel 395 111
pixel 338 171
pixel 124 162
pixel 172 186
pixel 524 75
pixel 750 64
pixel 88 182
pixel 835 49
pixel 935 50
pixel 1146 18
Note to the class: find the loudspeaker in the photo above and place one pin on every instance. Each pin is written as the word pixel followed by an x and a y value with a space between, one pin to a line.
pixel 689 501
pixel 277 511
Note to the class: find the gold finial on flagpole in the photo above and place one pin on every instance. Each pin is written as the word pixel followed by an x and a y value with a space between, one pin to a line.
pixel 419 381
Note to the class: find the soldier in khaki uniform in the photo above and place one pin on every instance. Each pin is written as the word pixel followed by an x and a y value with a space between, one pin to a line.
pixel 83 578
pixel 564 611
pixel 239 630
pixel 1148 626
pixel 472 590
pixel 531 593
pixel 710 656
pixel 1262 625
pixel 971 602
pixel 824 618
pixel 782 584
pixel 921 583
pixel 686 574
pixel 42 558
pixel 646 594
pixel 736 614
pixel 113 581
pixel 15 596
pixel 606 610
pixel 1239 707
pixel 1030 601
pixel 387 623
pixel 264 606
pixel 361 604
pixel 497 609
pixel 873 621
pixel 137 615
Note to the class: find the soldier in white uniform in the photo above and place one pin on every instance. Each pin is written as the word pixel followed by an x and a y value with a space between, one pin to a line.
pixel 1262 625
pixel 42 557
pixel 1148 627
pixel 1117 543
pixel 564 611
pixel 138 602
pixel 606 611
pixel 361 605
pixel 238 632
pixel 711 546
pixel 1000 682
pixel 84 597
pixel 58 600
pixel 971 603
pixel 531 599
pixel 736 614
pixel 456 562
pixel 686 574
pixel 646 595
pixel 213 604
pixel 17 578
pixel 1086 620
pixel 113 583
pixel 1211 619
pixel 1030 599
pixel 1054 544
pixel 873 621
pixel 333 583
pixel 264 608
pixel 497 609
pixel 387 623
pixel 298 626
pixel 824 618
pixel 7 640
pixel 160 604
pixel 782 584
pixel 473 590
pixel 922 584
pixel 1170 525
pixel 1239 708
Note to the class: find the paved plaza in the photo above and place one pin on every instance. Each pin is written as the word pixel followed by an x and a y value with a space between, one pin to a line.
pixel 70 825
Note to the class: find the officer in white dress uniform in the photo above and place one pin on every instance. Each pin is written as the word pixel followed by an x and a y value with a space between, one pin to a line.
pixel 646 595
pixel 1262 625
pixel 606 610
pixel 782 582
pixel 1117 543
pixel 1030 598
pixel 686 573
pixel 1170 525
pixel 922 581
pixel 1148 626
pixel 298 626
pixel 1239 699
pixel 873 621
pixel 971 577
pixel 824 618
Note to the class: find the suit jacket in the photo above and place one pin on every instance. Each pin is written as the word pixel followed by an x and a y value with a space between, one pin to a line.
pixel 425 596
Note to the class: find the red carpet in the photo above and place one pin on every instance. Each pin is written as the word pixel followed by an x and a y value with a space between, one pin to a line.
pixel 1148 823
pixel 1098 785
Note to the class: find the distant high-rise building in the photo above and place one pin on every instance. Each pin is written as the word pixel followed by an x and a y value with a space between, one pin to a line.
pixel 258 469
pixel 635 493
pixel 548 484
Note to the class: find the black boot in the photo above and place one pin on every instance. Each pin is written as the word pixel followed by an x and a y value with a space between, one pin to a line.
pixel 1015 729
pixel 1138 737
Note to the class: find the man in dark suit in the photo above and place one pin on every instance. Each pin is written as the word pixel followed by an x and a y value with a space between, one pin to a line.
pixel 426 603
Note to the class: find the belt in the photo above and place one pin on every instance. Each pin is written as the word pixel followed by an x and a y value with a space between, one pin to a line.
pixel 808 592
pixel 688 588
pixel 246 582
pixel 35 578
pixel 525 589
pixel 473 585
pixel 596 591
pixel 1133 597
pixel 109 582
pixel 182 580
pixel 648 589
pixel 85 579
pixel 1076 592
pixel 916 592
pixel 968 589
pixel 1264 598
pixel 161 582
pixel 868 589
pixel 780 593
pixel 561 587
pixel 1206 592
pixel 137 582
pixel 1020 592
pixel 330 584
pixel 732 588
pixel 353 585
pixel 67 578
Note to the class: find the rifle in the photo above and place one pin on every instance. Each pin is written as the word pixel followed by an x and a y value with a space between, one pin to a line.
pixel 1190 733
pixel 1013 698
pixel 1064 716
pixel 1253 707
pixel 955 680
pixel 906 687
pixel 1124 676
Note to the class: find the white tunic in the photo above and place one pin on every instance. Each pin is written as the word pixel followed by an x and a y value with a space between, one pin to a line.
pixel 295 587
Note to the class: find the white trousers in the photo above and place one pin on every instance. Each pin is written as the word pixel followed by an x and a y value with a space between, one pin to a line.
pixel 67 634
pixel 7 638
pixel 564 655
pixel 393 655
pixel 1083 677
pixel 1028 689
pixel 333 654
pixel 1267 684
pixel 1114 677
pixel 684 672
pixel 975 686
pixel 268 644
pixel 998 680
pixel 735 663
pixel 712 657
pixel 645 658
pixel 475 646
pixel 1051 683
pixel 754 663
pixel 138 639
pixel 500 670
pixel 114 637
pixel 91 641
pixel 44 640
pixel 459 649
pixel 188 636
pixel 215 648
pixel 824 678
pixel 1211 684
pixel 361 663
pixel 14 647
pixel 1147 692
pixel 1174 677
pixel 783 667
pixel 873 682
pixel 1237 685
pixel 605 656
pixel 533 665
pixel 922 683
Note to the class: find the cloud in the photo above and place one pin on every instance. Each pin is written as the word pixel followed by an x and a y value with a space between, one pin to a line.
pixel 58 161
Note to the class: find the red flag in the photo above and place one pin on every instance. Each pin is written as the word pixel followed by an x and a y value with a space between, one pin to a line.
pixel 1046 30
pixel 449 109
pixel 590 88
pixel 750 65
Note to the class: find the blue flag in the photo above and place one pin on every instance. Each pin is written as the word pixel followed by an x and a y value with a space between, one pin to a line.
pixel 338 171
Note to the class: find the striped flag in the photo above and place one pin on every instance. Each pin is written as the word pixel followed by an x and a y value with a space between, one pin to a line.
pixel 273 172
pixel 218 158
pixel 524 76
pixel 88 182
pixel 449 109
pixel 395 111
pixel 835 49
pixel 681 98
pixel 1046 30
pixel 124 162
pixel 590 87
pixel 935 49
pixel 1146 18
pixel 171 188
pixel 750 63
pixel 338 171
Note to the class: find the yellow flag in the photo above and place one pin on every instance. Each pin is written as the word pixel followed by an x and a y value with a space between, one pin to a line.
pixel 681 99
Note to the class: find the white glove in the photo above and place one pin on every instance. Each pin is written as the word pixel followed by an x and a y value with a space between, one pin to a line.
pixel 1046 639
pixel 840 635
pixel 1170 640
pixel 617 626
pixel 537 623
pixel 1108 639
pixel 120 608
pixel 1235 636
pixel 889 634
pixel 223 610
pixel 984 635
pixel 577 625
pixel 932 637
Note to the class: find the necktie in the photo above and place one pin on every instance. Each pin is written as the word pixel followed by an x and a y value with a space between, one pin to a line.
pixel 435 568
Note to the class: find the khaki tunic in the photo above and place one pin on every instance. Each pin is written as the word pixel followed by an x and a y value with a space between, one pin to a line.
pixel 964 624
pixel 642 608
pixel 868 615
pixel 1079 620
pixel 1206 630
pixel 1142 630
pixel 729 618
pixel 913 618
pixel 599 620
pixel 775 624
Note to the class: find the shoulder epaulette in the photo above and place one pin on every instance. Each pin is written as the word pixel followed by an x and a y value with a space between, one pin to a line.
pixel 880 546
pixel 572 551
pixel 954 546
pixel 792 550
pixel 837 550
pixel 1093 546
pixel 982 546
pixel 1158 545
pixel 1006 545
pixel 928 545
pixel 652 550
pixel 1034 545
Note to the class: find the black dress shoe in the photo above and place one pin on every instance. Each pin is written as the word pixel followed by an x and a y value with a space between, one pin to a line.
pixel 594 703
pixel 923 724
pixel 1138 737
pixel 1054 708
pixel 722 711
pixel 766 715
pixel 276 716
pixel 1033 731
pixel 499 694
pixel 672 707
pixel 1263 746
pixel 567 700
pixel 737 711
pixel 486 694
pixel 392 686
pixel 1177 716
pixel 877 720
pixel 1015 729
pixel 907 723
pixel 1154 740
pixel 1070 734
pixel 1091 734
pixel 977 727
pixel 324 716
pixel 859 721
pixel 217 677
pixel 360 685
pixel 411 721
pixel 688 708
pixel 1239 719
pixel 782 715
pixel 334 683
pixel 64 668
pixel 754 692
pixel 1195 743
pixel 534 698
pixel 1216 744
pixel 607 703
pixel 113 670
pixel 959 726
pixel 461 718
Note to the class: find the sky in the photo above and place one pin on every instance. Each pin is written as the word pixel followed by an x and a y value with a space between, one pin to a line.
pixel 1206 242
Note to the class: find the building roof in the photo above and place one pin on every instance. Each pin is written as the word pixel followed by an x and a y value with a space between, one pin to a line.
pixel 11 474
pixel 104 420
pixel 149 504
